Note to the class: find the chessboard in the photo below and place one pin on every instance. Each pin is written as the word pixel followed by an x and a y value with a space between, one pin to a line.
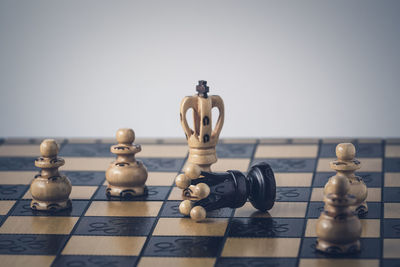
pixel 149 231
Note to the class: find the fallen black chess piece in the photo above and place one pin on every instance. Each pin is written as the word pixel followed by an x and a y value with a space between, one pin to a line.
pixel 207 191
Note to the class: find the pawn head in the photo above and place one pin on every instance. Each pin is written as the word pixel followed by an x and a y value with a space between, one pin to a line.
pixel 345 151
pixel 49 148
pixel 338 185
pixel 125 136
pixel 192 171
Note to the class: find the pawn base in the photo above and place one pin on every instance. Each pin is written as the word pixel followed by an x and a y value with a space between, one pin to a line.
pixel 336 249
pixel 50 206
pixel 125 192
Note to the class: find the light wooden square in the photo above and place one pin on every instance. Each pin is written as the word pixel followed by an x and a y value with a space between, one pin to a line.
pixel 305 141
pixel 17 177
pixel 19 151
pixel 109 140
pixel 163 151
pixel 261 247
pixel 5 206
pixel 391 210
pixel 273 141
pixel 38 225
pixel 147 140
pixel 138 140
pixel 225 164
pixel 104 245
pixel 392 151
pixel 161 178
pixel 367 165
pixel 26 260
pixel 78 192
pixel 370 228
pixel 176 262
pixel 189 227
pixel 374 194
pixel 286 151
pixel 176 194
pixel 280 209
pixel 392 179
pixel 238 141
pixel 293 179
pixel 338 262
pixel 124 208
pixel 174 140
pixel 86 164
pixel 391 248
pixel 82 192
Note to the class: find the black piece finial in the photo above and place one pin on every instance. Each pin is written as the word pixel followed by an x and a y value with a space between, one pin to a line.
pixel 233 188
pixel 202 88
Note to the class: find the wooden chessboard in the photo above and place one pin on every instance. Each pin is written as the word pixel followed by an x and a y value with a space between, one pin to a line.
pixel 150 231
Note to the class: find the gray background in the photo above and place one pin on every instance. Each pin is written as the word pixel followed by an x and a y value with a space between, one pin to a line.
pixel 283 68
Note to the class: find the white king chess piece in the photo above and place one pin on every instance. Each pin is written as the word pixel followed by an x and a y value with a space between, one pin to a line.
pixel 202 139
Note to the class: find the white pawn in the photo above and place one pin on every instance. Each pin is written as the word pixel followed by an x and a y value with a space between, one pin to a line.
pixel 50 190
pixel 126 176
pixel 338 229
pixel 346 165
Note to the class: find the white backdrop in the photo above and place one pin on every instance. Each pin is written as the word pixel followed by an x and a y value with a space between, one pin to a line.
pixel 283 68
